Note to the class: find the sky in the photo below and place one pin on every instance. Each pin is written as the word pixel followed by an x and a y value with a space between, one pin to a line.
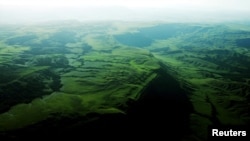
pixel 19 11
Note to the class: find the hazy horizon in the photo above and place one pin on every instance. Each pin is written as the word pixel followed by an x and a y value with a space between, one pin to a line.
pixel 23 11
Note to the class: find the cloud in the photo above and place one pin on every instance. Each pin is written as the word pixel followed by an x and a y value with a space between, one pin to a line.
pixel 132 3
pixel 179 10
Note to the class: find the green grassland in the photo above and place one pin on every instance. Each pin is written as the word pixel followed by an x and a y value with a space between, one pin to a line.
pixel 217 69
pixel 59 71
pixel 98 80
